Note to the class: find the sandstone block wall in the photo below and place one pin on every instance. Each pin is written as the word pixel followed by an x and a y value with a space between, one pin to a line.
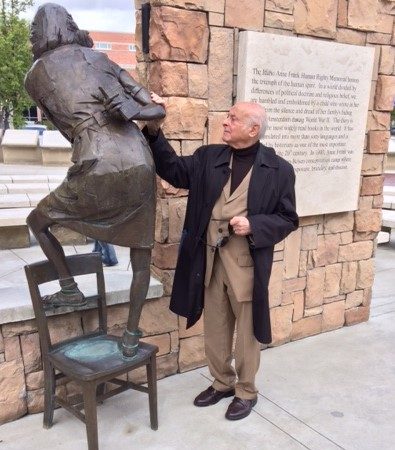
pixel 323 273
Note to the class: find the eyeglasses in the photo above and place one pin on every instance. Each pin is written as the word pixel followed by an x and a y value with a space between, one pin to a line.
pixel 222 240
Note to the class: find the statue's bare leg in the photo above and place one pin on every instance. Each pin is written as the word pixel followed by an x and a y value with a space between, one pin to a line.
pixel 141 259
pixel 69 295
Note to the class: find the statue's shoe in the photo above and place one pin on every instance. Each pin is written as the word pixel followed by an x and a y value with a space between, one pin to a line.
pixel 73 298
pixel 129 344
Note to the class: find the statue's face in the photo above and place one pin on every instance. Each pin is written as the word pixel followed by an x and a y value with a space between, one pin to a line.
pixel 37 28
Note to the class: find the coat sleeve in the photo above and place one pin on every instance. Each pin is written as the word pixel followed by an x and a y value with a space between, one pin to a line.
pixel 269 229
pixel 176 170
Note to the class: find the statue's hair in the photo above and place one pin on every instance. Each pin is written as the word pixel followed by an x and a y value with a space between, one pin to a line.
pixel 58 28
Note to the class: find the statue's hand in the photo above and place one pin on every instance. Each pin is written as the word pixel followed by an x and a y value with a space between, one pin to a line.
pixel 112 105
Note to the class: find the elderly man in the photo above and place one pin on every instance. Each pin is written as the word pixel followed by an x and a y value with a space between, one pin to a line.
pixel 241 203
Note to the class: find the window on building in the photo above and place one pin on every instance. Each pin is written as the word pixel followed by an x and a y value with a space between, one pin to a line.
pixel 103 46
pixel 31 114
pixel 132 47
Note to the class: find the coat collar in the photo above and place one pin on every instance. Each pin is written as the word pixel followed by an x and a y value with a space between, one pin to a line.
pixel 223 157
pixel 262 176
pixel 266 156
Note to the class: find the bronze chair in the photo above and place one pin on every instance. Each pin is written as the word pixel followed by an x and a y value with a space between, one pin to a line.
pixel 91 360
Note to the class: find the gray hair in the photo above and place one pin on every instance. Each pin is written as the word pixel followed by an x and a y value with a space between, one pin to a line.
pixel 257 116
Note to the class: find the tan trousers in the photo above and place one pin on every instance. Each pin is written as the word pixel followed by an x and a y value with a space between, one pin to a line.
pixel 221 312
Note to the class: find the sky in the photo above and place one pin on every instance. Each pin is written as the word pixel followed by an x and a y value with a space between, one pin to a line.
pixel 95 15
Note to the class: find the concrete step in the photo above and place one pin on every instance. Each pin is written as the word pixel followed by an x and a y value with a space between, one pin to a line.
pixel 389 191
pixel 388 202
pixel 27 147
pixel 388 218
pixel 14 232
pixel 29 188
pixel 30 169
pixel 27 179
pixel 35 198
pixel 383 237
pixel 14 201
pixel 10 217
pixel 20 200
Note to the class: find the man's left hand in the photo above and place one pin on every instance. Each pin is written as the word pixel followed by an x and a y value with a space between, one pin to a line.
pixel 241 225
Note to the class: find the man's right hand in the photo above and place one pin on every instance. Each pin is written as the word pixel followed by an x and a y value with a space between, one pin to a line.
pixel 157 99
pixel 154 125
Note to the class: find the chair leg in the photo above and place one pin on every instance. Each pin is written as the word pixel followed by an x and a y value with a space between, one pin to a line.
pixel 89 394
pixel 101 389
pixel 49 394
pixel 152 392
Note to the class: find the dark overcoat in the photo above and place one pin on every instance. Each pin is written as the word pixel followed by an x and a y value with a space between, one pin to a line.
pixel 271 213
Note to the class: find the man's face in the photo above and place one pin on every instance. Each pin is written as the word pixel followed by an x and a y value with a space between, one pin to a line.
pixel 237 130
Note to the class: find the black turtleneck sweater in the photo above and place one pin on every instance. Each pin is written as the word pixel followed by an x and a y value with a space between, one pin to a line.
pixel 243 159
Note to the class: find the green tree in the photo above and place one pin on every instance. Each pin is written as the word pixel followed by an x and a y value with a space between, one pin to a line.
pixel 15 60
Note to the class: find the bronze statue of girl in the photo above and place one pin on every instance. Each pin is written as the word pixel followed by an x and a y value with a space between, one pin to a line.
pixel 109 193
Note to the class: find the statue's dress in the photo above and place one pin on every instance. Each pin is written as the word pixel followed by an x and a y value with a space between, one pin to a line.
pixel 109 191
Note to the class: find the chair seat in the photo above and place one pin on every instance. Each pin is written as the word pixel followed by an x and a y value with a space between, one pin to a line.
pixel 92 357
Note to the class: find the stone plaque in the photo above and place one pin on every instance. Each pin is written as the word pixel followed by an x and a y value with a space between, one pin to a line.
pixel 316 95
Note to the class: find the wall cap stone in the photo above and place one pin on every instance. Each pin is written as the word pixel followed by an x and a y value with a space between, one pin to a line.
pixel 16 305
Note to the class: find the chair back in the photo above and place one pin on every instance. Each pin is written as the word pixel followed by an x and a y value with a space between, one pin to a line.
pixel 44 272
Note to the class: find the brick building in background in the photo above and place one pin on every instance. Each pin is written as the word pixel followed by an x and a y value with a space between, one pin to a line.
pixel 119 47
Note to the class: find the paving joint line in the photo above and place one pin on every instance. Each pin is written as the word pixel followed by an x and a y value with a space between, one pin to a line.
pixel 384 304
pixel 12 250
pixel 378 297
pixel 290 414
pixel 382 314
pixel 377 271
pixel 285 432
pixel 267 420
pixel 301 421
pixel 10 273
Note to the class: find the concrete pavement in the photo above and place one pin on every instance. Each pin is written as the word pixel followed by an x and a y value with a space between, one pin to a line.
pixel 331 391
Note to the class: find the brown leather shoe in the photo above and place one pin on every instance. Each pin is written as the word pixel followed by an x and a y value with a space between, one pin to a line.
pixel 240 408
pixel 211 396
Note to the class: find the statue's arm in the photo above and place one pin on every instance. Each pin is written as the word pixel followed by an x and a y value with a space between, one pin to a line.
pixel 133 88
pixel 128 109
pixel 137 91
pixel 135 105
